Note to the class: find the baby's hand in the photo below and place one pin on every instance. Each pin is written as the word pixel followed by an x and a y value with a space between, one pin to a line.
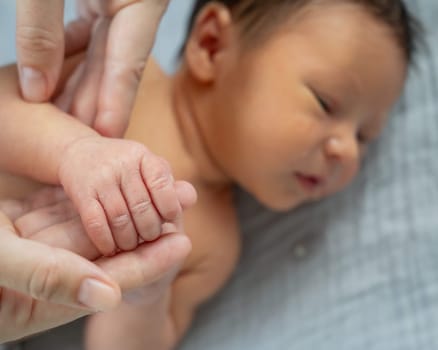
pixel 122 191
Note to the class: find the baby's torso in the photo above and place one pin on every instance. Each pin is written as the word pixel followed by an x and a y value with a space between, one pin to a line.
pixel 211 224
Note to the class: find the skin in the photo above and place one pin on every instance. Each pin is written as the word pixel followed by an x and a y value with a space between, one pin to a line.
pixel 125 193
pixel 109 76
pixel 255 117
pixel 46 287
pixel 277 110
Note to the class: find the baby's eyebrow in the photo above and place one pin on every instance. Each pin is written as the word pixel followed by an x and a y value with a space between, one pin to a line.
pixel 345 81
pixel 351 83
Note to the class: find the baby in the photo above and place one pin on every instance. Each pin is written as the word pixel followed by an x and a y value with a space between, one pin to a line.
pixel 280 97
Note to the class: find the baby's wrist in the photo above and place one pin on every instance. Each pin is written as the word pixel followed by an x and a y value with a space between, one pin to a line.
pixel 69 151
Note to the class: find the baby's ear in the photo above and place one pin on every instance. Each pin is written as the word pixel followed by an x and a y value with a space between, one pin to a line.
pixel 212 36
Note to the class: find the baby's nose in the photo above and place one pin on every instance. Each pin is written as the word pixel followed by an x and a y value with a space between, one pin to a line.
pixel 344 149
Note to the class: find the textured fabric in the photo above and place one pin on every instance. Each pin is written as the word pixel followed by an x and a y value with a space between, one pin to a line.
pixel 357 271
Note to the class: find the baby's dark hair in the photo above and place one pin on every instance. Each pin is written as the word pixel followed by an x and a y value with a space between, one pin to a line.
pixel 257 17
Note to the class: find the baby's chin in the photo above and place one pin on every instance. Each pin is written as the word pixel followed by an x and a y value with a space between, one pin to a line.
pixel 281 205
pixel 284 205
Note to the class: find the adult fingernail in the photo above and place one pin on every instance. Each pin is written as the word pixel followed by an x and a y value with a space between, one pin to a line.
pixel 97 295
pixel 33 84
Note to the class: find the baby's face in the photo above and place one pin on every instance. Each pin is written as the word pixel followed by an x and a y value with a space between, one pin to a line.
pixel 293 117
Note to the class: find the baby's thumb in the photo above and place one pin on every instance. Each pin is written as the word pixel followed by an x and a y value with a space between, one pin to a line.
pixel 52 274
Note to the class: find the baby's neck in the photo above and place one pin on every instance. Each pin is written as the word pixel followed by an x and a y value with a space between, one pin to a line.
pixel 187 113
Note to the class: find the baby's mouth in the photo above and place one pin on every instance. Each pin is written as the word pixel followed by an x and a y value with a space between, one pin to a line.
pixel 309 182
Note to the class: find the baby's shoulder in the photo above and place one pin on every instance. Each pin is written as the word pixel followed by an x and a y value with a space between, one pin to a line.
pixel 212 227
pixel 153 71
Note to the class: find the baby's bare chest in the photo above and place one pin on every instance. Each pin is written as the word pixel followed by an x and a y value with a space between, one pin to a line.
pixel 213 230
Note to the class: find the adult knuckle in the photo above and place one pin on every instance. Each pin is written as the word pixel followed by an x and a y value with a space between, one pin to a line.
pixel 37 39
pixel 137 70
pixel 45 278
pixel 19 313
pixel 129 72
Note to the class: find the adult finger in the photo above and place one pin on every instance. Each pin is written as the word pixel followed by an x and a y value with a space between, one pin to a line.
pixel 130 270
pixel 51 274
pixel 40 47
pixel 39 219
pixel 84 103
pixel 125 61
pixel 77 36
pixel 148 262
pixel 15 208
pixel 87 9
pixel 69 235
pixel 65 99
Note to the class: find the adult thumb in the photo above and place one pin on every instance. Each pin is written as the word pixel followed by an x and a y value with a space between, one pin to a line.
pixel 40 47
pixel 51 274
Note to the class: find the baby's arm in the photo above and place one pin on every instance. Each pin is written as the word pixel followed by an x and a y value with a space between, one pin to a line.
pixel 120 189
pixel 33 136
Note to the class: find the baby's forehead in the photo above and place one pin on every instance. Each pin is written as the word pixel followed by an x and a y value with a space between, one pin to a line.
pixel 257 18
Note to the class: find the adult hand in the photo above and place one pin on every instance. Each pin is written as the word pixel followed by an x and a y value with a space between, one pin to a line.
pixel 40 285
pixel 121 39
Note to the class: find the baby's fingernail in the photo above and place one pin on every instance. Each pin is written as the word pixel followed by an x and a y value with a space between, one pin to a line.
pixel 33 84
pixel 97 295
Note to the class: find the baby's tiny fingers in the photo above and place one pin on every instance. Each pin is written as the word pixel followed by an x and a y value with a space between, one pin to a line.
pixel 95 224
pixel 158 178
pixel 119 219
pixel 146 219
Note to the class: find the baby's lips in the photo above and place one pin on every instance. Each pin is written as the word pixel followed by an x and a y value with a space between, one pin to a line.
pixel 310 181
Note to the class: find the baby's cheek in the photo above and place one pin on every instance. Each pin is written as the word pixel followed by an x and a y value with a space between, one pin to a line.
pixel 342 178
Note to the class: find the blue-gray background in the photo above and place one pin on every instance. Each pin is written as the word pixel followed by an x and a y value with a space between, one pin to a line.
pixel 358 271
